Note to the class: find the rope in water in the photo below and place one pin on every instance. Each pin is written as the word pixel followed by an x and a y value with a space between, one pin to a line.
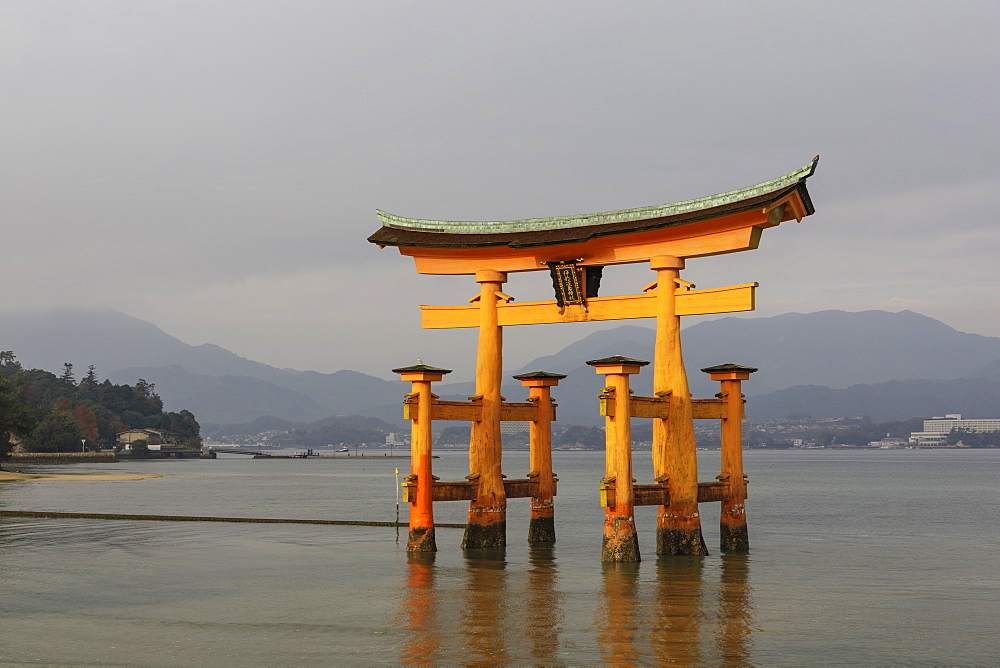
pixel 187 518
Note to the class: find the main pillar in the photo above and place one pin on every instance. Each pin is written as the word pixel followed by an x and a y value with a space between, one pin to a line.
pixel 542 527
pixel 421 537
pixel 487 524
pixel 678 526
pixel 733 520
pixel 620 543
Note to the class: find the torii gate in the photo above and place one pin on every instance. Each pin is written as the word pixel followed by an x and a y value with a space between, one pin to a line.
pixel 575 249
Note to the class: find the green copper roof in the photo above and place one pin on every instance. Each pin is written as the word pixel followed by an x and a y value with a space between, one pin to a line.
pixel 583 220
pixel 617 359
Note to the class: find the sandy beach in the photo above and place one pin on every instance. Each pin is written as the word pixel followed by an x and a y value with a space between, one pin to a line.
pixel 6 476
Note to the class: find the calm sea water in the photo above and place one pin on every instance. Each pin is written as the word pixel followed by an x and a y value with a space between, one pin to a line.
pixel 862 557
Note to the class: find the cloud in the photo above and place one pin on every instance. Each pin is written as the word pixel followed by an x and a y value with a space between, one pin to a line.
pixel 215 167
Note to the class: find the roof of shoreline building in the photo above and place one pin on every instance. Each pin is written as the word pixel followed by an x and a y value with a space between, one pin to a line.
pixel 400 231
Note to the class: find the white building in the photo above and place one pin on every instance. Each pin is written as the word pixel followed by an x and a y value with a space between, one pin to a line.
pixel 954 421
pixel 936 429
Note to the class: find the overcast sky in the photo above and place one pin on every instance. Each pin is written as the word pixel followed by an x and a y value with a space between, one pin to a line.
pixel 214 167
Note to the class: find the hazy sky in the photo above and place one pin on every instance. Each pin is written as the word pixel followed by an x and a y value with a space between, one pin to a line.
pixel 214 167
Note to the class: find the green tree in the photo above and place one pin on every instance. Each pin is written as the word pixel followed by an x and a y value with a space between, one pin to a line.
pixel 16 419
pixel 88 387
pixel 57 431
pixel 8 364
pixel 580 436
pixel 185 426
pixel 140 448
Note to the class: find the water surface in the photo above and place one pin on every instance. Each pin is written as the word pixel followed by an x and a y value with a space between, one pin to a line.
pixel 866 557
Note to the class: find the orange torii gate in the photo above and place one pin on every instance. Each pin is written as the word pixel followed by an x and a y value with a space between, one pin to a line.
pixel 575 250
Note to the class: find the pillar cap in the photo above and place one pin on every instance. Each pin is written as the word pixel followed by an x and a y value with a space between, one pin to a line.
pixel 421 372
pixel 617 364
pixel 539 378
pixel 729 371
pixel 666 262
pixel 491 276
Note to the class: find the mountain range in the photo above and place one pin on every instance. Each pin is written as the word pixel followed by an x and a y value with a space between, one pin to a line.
pixel 827 364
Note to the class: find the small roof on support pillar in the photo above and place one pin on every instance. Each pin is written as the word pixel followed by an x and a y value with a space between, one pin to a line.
pixel 539 375
pixel 729 371
pixel 421 368
pixel 421 372
pixel 539 379
pixel 617 364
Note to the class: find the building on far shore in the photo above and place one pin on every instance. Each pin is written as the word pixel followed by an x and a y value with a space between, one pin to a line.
pixel 936 430
pixel 155 438
pixel 889 443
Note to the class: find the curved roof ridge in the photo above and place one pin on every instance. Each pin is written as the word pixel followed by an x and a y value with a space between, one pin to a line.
pixel 587 219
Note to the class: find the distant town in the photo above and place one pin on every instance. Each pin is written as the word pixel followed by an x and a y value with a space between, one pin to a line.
pixel 798 432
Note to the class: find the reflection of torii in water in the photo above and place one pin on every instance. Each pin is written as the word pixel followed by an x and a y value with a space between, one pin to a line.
pixel 575 249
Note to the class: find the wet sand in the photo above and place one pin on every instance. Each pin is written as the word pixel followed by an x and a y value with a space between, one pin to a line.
pixel 86 477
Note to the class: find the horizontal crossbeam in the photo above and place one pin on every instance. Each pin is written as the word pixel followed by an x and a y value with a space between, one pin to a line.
pixel 472 411
pixel 728 299
pixel 658 495
pixel 466 490
pixel 656 407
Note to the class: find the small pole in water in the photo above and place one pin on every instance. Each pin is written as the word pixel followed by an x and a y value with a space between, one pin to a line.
pixel 397 506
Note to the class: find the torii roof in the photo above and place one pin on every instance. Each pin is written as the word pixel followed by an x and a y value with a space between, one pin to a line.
pixel 534 232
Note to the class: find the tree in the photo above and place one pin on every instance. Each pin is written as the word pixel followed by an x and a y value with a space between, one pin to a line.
pixel 67 374
pixel 453 435
pixel 57 432
pixel 63 411
pixel 88 385
pixel 140 448
pixel 16 419
pixel 8 363
pixel 185 426
pixel 579 435
pixel 86 421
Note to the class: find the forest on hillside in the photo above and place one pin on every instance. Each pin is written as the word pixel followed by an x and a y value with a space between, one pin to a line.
pixel 43 412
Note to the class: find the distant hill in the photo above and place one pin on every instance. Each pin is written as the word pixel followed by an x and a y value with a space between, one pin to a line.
pixel 214 383
pixel 224 399
pixel 112 341
pixel 828 350
pixel 894 400
pixel 838 349
pixel 834 349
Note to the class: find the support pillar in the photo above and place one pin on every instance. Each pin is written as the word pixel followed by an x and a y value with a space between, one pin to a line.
pixel 620 543
pixel 733 520
pixel 678 526
pixel 420 483
pixel 487 523
pixel 542 527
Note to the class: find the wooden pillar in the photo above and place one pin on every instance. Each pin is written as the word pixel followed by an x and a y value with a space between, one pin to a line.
pixel 621 543
pixel 733 521
pixel 420 482
pixel 675 462
pixel 541 528
pixel 487 523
